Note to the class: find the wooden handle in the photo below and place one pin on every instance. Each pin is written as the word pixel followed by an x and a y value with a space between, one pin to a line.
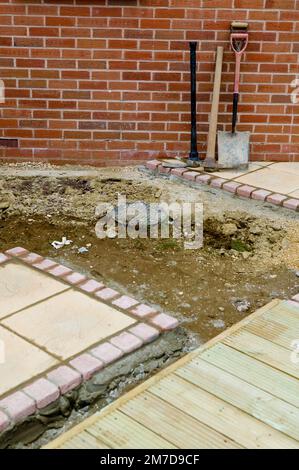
pixel 215 105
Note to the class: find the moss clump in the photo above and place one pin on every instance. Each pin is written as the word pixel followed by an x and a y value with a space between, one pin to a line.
pixel 240 246
pixel 170 244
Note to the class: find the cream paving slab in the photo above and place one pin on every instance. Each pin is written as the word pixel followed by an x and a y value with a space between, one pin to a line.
pixel 264 163
pixel 294 194
pixel 21 286
pixel 289 167
pixel 272 180
pixel 232 174
pixel 21 362
pixel 68 323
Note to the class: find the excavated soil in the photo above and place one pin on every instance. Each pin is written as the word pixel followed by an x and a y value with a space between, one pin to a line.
pixel 250 253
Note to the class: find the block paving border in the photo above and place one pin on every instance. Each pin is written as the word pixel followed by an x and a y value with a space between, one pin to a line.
pixel 19 405
pixel 229 185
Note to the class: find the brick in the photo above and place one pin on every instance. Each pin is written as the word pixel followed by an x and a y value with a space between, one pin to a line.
pixel 245 190
pixel 231 187
pixel 65 378
pixel 204 179
pixel 17 251
pixel 91 286
pixel 291 204
pixel 276 199
pixel 4 421
pixel 32 258
pixel 74 11
pixel 87 365
pixel 18 406
pixel 164 322
pixel 126 342
pixel 164 170
pixel 107 353
pixel 60 271
pixel 3 258
pixel 42 392
pixel 143 311
pixel 75 278
pixel 107 293
pixel 260 194
pixel 178 171
pixel 217 182
pixel 145 332
pixel 190 175
pixel 125 302
pixel 45 265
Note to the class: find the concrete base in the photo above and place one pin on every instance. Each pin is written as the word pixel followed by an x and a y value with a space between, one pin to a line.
pixel 194 163
pixel 173 163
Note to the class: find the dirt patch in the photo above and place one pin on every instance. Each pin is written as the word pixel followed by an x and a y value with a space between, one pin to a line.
pixel 250 251
pixel 67 197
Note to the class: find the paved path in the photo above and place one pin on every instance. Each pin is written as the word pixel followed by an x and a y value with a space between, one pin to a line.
pixel 274 183
pixel 241 390
pixel 59 328
pixel 280 177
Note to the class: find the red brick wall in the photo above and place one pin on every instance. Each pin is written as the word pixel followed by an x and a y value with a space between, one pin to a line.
pixel 107 81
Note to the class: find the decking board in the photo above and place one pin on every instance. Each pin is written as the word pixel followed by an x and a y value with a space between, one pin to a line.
pixel 214 412
pixel 264 351
pixel 254 401
pixel 273 331
pixel 254 372
pixel 119 431
pixel 160 416
pixel 239 390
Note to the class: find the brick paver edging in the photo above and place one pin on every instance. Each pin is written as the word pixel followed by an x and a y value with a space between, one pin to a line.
pixel 21 404
pixel 233 187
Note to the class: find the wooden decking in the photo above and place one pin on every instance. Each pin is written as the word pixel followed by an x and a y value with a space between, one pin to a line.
pixel 240 390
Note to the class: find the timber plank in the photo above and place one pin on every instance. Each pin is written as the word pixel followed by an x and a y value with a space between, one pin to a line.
pixel 182 430
pixel 274 331
pixel 219 415
pixel 259 404
pixel 263 350
pixel 284 314
pixel 254 372
pixel 83 441
pixel 119 431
